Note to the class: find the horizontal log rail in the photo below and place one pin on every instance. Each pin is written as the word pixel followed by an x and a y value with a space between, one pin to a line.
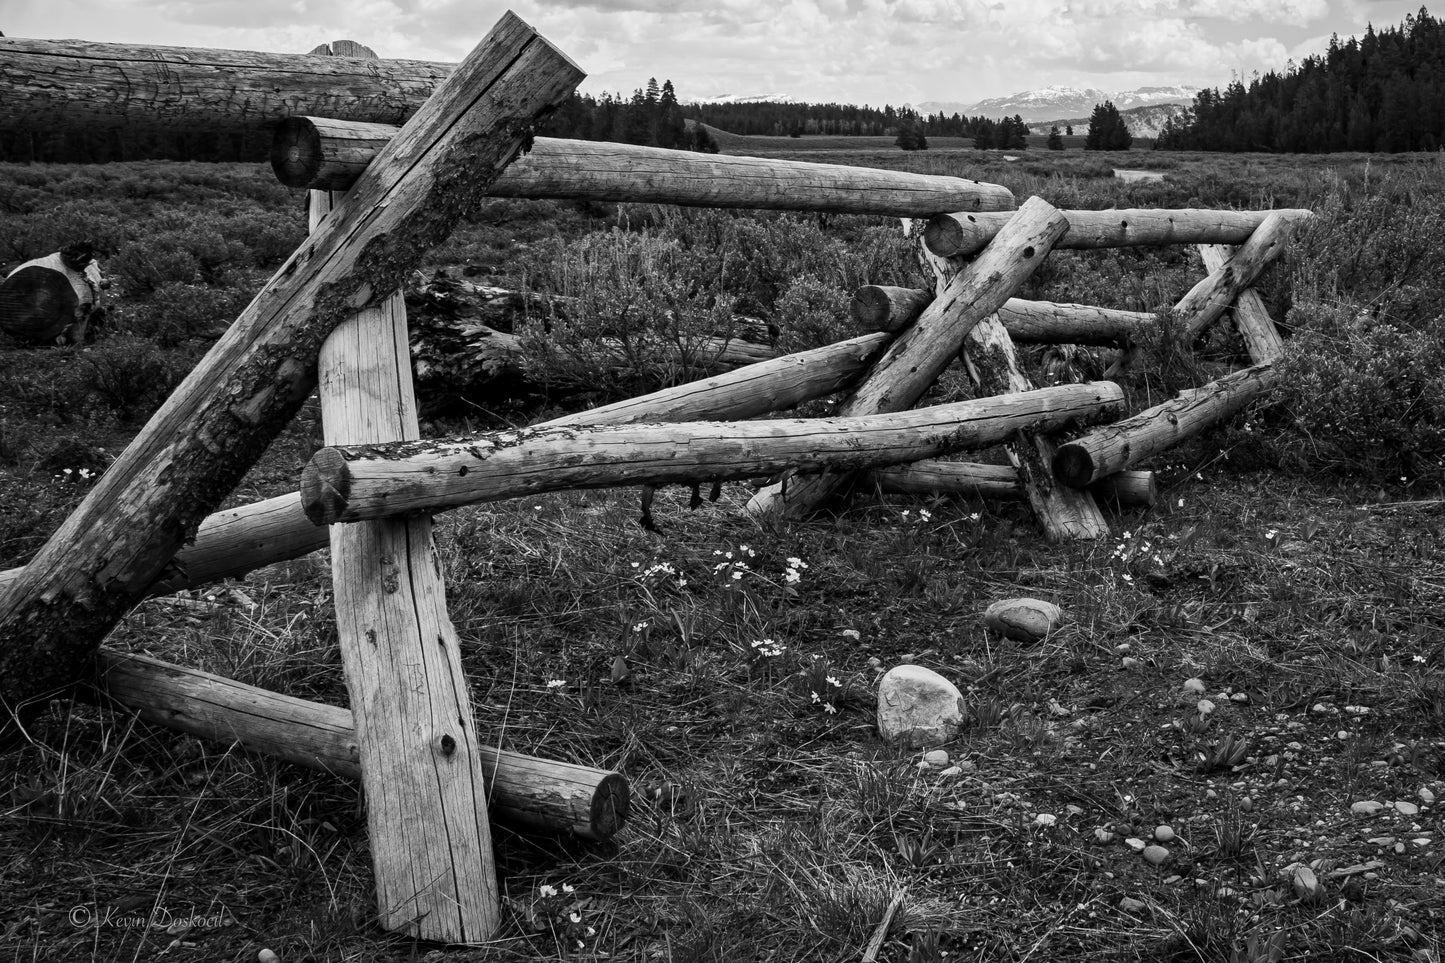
pixel 325 154
pixel 971 480
pixel 1116 447
pixel 535 793
pixel 964 233
pixel 377 481
pixel 1033 322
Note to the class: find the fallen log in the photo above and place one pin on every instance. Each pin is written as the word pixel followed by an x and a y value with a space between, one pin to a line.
pixel 193 452
pixel 1211 297
pixel 526 791
pixel 325 153
pixel 1251 317
pixel 921 352
pixel 963 234
pixel 1116 447
pixel 1030 322
pixel 971 480
pixel 233 542
pixel 375 481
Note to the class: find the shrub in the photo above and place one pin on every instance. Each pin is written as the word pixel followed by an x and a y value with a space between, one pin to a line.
pixel 178 310
pixel 129 375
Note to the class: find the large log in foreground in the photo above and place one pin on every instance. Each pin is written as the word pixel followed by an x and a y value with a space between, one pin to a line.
pixel 215 425
pixel 963 234
pixel 103 86
pixel 1116 447
pixel 233 542
pixel 324 153
pixel 529 792
pixel 915 360
pixel 1027 322
pixel 375 481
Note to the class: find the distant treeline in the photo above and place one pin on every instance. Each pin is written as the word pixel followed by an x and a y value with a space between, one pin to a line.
pixel 1385 92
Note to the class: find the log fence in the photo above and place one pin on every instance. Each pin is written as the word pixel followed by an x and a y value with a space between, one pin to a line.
pixel 416 146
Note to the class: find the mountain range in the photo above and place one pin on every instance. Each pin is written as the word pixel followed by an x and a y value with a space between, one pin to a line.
pixel 1061 103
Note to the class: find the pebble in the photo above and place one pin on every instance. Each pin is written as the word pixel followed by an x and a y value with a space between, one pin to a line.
pixel 1156 855
pixel 1195 686
pixel 1171 880
pixel 1246 804
pixel 1131 905
pixel 267 956
pixel 1426 796
pixel 918 707
pixel 1210 794
pixel 1136 844
pixel 1366 807
pixel 1240 697
pixel 937 758
pixel 1129 663
pixel 1381 840
pixel 1024 619
pixel 1204 706
pixel 1103 835
pixel 1164 833
pixel 1421 840
pixel 952 772
pixel 1406 808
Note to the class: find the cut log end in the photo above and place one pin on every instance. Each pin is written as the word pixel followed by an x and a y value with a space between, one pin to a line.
pixel 325 486
pixel 296 152
pixel 611 805
pixel 953 235
pixel 877 307
pixel 1073 466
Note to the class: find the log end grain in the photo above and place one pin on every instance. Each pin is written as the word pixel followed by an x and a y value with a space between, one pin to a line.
pixel 296 152
pixel 1073 465
pixel 611 805
pixel 953 235
pixel 325 486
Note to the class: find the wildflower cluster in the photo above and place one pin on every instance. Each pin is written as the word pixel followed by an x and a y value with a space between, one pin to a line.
pixel 559 912
pixel 768 648
pixel 1135 550
pixel 823 685
pixel 793 572
pixel 77 475
pixel 659 573
pixel 732 566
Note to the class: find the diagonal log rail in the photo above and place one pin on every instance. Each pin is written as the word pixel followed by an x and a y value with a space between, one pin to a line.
pixel 1261 338
pixel 525 791
pixel 323 153
pixel 218 421
pixel 1116 447
pixel 963 234
pixel 914 361
pixel 1212 296
pixel 376 481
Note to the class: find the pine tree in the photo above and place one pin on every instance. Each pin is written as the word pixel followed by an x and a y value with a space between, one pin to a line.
pixel 1055 141
pixel 1107 130
pixel 910 135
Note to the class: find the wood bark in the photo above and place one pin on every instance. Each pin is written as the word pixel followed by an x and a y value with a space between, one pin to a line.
pixel 1251 317
pixel 375 481
pixel 421 768
pixel 988 352
pixel 233 542
pixel 79 85
pixel 316 152
pixel 1211 297
pixel 921 352
pixel 525 791
pixel 972 480
pixel 1031 322
pixel 960 235
pixel 1119 446
pixel 219 420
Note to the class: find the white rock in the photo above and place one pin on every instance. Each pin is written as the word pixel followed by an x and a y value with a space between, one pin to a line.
pixel 1135 843
pixel 1195 686
pixel 1426 796
pixel 1366 807
pixel 1164 833
pixel 937 758
pixel 917 707
pixel 1156 855
pixel 1103 835
pixel 267 956
pixel 1130 905
pixel 1024 619
pixel 1406 808
pixel 952 772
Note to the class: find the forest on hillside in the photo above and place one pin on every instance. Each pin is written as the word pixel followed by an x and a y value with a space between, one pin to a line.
pixel 1384 92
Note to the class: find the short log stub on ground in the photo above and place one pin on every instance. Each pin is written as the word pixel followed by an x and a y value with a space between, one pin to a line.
pixel 1023 619
pixel 917 707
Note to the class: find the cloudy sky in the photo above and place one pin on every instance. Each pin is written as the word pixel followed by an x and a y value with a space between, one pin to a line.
pixel 852 51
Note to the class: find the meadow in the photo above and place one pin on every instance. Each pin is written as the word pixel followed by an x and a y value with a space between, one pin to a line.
pixel 1291 574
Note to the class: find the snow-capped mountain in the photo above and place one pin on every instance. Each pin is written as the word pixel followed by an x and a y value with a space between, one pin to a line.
pixel 1145 121
pixel 1060 103
pixel 740 99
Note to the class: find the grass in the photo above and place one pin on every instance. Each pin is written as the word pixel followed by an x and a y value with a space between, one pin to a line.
pixel 770 825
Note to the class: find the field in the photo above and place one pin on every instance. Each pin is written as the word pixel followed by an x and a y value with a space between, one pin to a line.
pixel 1292 571
pixel 767 146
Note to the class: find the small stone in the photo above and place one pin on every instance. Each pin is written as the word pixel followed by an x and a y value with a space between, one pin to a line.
pixel 1210 794
pixel 1426 796
pixel 918 707
pixel 952 772
pixel 1240 697
pixel 1103 835
pixel 1204 706
pixel 1381 840
pixel 1195 686
pixel 1045 820
pixel 1124 648
pixel 1131 905
pixel 924 766
pixel 1421 840
pixel 1135 843
pixel 267 956
pixel 1164 833
pixel 1307 885
pixel 1172 879
pixel 1156 855
pixel 1406 808
pixel 937 758
pixel 1399 849
pixel 1246 803
pixel 1024 619
pixel 1129 663
pixel 1366 807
